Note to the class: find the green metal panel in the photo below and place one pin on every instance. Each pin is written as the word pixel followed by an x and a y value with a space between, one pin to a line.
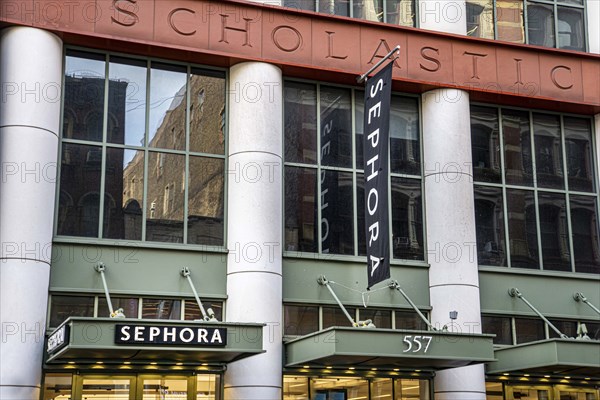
pixel 576 357
pixel 389 348
pixel 300 283
pixel 93 339
pixel 551 293
pixel 137 270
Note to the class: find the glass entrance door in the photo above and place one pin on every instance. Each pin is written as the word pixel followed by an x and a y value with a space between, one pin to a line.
pixel 528 392
pixel 163 388
pixel 106 388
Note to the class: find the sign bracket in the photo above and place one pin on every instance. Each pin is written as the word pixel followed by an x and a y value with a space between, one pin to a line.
pixel 364 76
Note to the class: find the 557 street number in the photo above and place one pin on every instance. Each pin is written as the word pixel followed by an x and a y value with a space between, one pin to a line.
pixel 416 343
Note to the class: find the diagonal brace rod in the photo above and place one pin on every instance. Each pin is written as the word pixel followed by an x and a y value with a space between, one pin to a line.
pixel 395 286
pixel 324 282
pixel 580 297
pixel 210 316
pixel 100 268
pixel 514 292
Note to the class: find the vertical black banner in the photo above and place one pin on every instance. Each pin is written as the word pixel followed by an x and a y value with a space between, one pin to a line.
pixel 376 138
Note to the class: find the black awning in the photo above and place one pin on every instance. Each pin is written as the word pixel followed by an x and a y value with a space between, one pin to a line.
pixel 119 340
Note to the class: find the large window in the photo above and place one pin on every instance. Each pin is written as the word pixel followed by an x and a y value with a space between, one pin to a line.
pixel 536 199
pixel 303 319
pixel 143 151
pixel 397 12
pixel 324 191
pixel 549 23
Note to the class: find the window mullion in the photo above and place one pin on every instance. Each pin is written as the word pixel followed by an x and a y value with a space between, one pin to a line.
pixel 504 191
pixel 104 149
pixel 525 21
pixel 535 192
pixel 146 152
pixel 319 172
pixel 567 201
pixel 354 174
pixel 187 155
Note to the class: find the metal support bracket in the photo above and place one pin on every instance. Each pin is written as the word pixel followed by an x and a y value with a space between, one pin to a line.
pixel 207 315
pixel 394 285
pixel 321 280
pixel 364 76
pixel 101 269
pixel 514 292
pixel 581 297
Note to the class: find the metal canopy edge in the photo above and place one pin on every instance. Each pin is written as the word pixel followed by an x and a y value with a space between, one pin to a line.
pixel 93 339
pixel 426 350
pixel 552 356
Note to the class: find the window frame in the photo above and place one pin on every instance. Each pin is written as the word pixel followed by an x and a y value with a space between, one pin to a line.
pixel 415 5
pixel 536 189
pixel 104 145
pixel 355 170
pixel 555 5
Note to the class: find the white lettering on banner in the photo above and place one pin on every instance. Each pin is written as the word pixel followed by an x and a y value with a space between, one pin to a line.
pixel 170 335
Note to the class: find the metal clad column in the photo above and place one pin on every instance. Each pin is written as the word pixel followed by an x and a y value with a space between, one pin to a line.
pixel 450 215
pixel 30 78
pixel 254 225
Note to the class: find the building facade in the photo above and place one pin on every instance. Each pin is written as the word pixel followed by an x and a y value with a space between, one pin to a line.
pixel 182 200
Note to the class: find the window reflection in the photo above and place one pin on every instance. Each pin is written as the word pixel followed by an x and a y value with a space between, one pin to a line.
pixel 79 203
pixel 337 213
pixel 84 96
pixel 336 127
pixel 129 306
pixel 407 219
pixel 164 213
pixel 529 330
pixel 489 218
pixel 206 201
pixel 485 144
pixel 167 111
pixel 371 10
pixel 63 307
pixel 522 229
pixel 124 189
pixel 517 148
pixel 480 18
pixel 405 150
pixel 553 231
pixel 578 143
pixel 584 222
pixel 400 12
pixel 207 109
pixel 381 318
pixel 335 7
pixel 571 29
pixel 127 101
pixel 300 320
pixel 334 316
pixel 300 123
pixel 510 23
pixel 192 310
pixel 540 23
pixel 161 309
pixel 499 326
pixel 300 214
pixel 409 320
pixel 548 151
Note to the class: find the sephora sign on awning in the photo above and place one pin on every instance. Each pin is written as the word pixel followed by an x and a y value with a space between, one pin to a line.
pixel 170 335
